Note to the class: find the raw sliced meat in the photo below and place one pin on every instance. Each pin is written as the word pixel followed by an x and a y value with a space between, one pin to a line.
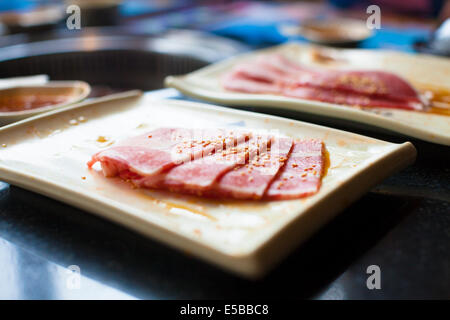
pixel 200 175
pixel 239 83
pixel 265 75
pixel 275 74
pixel 251 180
pixel 351 99
pixel 281 64
pixel 256 71
pixel 374 84
pixel 161 149
pixel 301 176
pixel 147 154
pixel 219 163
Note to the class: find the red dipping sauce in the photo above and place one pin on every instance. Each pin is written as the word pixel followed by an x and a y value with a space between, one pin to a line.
pixel 27 102
pixel 30 98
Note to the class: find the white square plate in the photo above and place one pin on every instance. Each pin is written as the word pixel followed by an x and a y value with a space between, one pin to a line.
pixel 421 70
pixel 48 154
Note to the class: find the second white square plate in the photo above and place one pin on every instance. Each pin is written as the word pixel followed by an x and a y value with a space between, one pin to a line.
pixel 422 70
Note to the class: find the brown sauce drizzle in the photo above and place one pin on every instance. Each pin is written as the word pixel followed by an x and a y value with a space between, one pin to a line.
pixel 439 98
pixel 326 163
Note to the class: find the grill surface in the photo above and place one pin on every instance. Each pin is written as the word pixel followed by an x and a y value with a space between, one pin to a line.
pixel 116 61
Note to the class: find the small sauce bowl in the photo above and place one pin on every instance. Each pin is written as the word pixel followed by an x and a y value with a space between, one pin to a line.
pixel 20 102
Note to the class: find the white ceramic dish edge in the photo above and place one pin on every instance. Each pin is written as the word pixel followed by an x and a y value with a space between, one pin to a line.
pixel 184 85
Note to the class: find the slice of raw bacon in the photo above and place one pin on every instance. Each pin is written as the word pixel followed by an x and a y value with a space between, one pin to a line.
pixel 251 180
pixel 302 173
pixel 161 149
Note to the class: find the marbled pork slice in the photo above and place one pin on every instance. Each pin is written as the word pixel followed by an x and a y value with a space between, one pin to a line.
pixel 199 175
pixel 161 149
pixel 301 176
pixel 251 180
pixel 348 98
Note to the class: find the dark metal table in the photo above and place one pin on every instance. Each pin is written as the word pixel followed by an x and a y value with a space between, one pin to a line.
pixel 402 225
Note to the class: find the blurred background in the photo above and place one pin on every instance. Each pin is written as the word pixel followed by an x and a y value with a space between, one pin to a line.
pixel 129 44
pixel 134 44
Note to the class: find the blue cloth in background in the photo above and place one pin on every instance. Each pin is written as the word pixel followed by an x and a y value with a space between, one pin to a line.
pixel 18 5
pixel 132 8
pixel 257 23
pixel 261 33
pixel 251 31
pixel 396 38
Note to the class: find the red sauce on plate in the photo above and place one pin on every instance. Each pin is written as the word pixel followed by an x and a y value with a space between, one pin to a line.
pixel 13 103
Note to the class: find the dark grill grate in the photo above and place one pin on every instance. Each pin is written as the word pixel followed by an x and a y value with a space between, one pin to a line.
pixel 125 69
